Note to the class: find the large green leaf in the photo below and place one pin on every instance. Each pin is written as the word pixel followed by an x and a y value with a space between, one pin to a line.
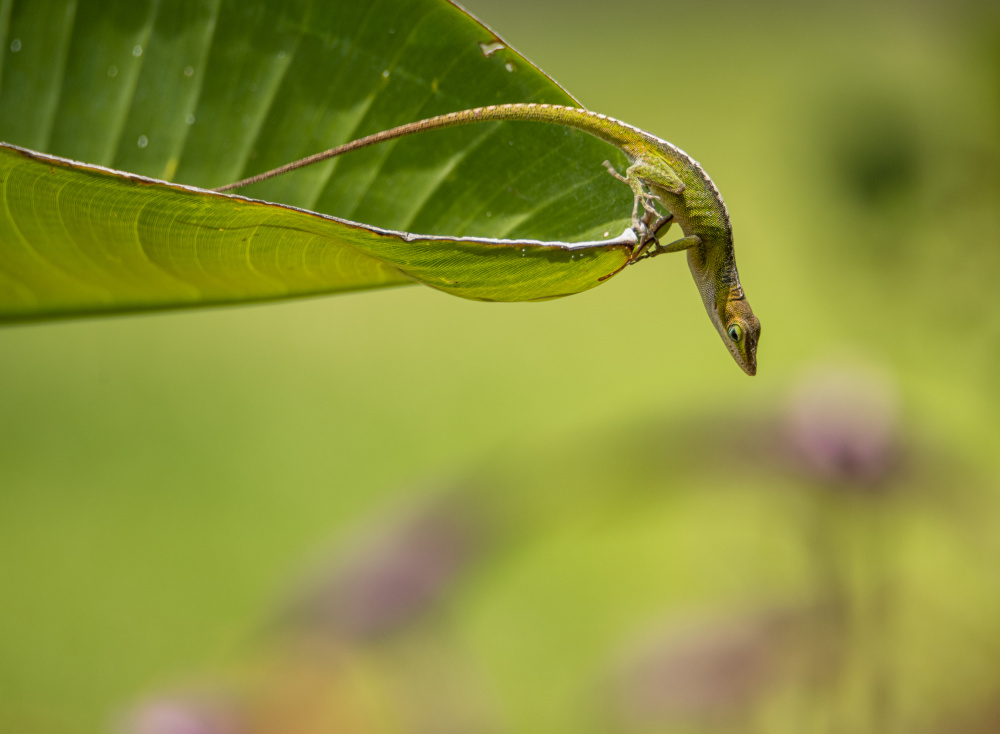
pixel 203 92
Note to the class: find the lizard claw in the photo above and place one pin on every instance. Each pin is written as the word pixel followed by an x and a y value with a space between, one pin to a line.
pixel 648 200
pixel 649 242
pixel 643 197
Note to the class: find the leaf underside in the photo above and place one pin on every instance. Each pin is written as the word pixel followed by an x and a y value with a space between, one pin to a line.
pixel 191 247
pixel 203 92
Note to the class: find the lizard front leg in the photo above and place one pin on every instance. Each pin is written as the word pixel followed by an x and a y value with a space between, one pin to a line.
pixel 654 249
pixel 641 196
pixel 647 169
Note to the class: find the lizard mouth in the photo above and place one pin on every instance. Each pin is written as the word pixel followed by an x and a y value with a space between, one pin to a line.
pixel 747 365
pixel 718 317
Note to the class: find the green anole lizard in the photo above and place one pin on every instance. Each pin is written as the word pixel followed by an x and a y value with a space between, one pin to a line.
pixel 658 173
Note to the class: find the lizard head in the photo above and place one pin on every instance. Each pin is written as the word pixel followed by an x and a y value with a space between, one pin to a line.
pixel 740 331
pixel 727 307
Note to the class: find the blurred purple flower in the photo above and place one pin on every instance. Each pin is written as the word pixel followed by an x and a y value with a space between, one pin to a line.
pixel 696 677
pixel 841 427
pixel 393 576
pixel 719 671
pixel 181 716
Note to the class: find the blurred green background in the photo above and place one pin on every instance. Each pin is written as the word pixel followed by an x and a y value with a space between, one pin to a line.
pixel 647 539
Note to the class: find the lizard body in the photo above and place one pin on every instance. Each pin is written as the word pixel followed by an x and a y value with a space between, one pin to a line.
pixel 658 172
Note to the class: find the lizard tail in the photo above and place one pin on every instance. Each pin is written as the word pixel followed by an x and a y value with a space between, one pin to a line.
pixel 571 116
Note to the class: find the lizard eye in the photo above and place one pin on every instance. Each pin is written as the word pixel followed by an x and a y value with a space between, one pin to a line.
pixel 735 332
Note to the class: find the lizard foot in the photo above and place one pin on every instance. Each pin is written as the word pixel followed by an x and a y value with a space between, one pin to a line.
pixel 649 238
pixel 613 172
pixel 644 198
pixel 648 202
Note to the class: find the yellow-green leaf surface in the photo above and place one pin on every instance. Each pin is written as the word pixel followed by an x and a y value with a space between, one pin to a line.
pixel 203 92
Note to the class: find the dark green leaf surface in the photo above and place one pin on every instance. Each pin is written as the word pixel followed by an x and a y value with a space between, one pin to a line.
pixel 203 92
